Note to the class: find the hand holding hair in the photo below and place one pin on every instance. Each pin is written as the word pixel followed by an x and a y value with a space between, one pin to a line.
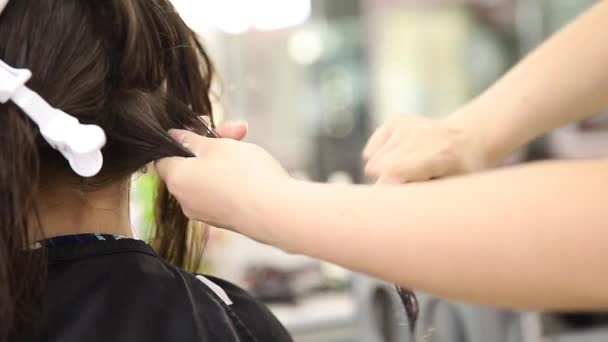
pixel 223 184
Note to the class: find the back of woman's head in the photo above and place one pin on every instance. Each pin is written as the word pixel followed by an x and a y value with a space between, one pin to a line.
pixel 130 66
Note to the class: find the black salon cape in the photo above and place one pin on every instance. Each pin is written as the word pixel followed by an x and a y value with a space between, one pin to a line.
pixel 121 291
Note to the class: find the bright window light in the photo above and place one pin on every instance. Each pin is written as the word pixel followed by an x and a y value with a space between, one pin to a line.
pixel 305 47
pixel 278 14
pixel 239 16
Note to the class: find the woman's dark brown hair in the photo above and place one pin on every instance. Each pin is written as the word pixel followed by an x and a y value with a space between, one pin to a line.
pixel 130 66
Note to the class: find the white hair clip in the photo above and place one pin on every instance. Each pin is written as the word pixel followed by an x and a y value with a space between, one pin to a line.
pixel 80 144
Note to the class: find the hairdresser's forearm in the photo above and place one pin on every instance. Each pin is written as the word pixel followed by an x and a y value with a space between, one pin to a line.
pixel 530 237
pixel 565 80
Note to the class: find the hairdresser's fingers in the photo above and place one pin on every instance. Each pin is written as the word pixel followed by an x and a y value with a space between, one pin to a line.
pixel 388 180
pixel 236 130
pixel 378 139
pixel 169 168
pixel 233 176
pixel 373 163
pixel 165 167
pixel 393 167
pixel 195 143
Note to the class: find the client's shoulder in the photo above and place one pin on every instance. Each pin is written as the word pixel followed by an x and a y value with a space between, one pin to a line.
pixel 127 282
pixel 250 316
pixel 254 314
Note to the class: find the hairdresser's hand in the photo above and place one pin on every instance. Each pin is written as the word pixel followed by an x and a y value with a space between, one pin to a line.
pixel 414 149
pixel 236 130
pixel 225 184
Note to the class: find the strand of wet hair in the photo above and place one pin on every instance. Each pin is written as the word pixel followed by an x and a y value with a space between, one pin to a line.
pixel 411 306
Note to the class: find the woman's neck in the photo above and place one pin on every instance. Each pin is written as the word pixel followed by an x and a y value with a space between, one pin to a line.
pixel 67 211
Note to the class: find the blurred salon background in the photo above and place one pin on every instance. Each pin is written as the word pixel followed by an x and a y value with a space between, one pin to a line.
pixel 314 78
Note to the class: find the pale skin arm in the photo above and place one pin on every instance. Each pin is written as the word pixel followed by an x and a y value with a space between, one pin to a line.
pixel 529 237
pixel 563 81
